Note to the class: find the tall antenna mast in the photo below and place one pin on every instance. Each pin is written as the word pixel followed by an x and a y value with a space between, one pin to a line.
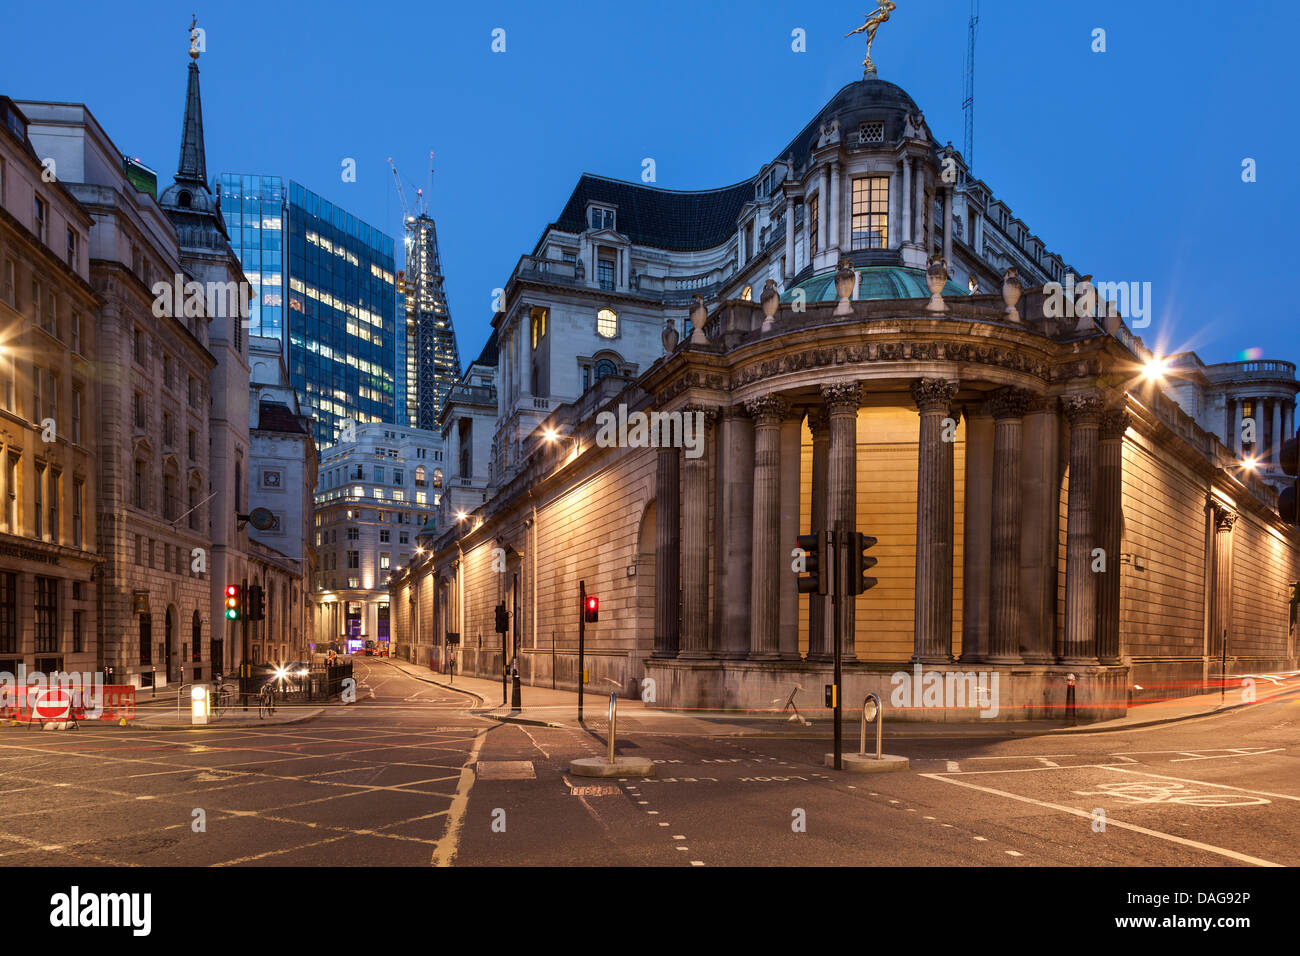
pixel 968 100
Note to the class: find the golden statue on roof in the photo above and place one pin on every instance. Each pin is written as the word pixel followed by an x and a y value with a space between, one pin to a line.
pixel 874 19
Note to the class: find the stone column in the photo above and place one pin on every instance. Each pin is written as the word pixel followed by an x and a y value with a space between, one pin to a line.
pixel 1110 515
pixel 1277 432
pixel 907 200
pixel 764 591
pixel 932 636
pixel 523 331
pixel 836 241
pixel 668 523
pixel 1222 594
pixel 842 401
pixel 1288 425
pixel 791 466
pixel 947 224
pixel 824 211
pixel 918 206
pixel 1084 413
pixel 819 639
pixel 738 446
pixel 977 540
pixel 789 241
pixel 1040 486
pixel 1009 406
pixel 695 539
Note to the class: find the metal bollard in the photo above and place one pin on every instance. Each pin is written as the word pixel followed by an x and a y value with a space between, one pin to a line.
pixel 613 723
pixel 877 714
pixel 1071 718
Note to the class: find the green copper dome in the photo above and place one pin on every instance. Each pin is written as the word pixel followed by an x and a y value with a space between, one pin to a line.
pixel 874 282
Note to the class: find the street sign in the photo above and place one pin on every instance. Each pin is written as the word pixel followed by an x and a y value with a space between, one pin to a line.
pixel 51 703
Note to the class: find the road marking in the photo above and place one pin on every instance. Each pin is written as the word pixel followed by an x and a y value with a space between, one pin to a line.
pixel 697 862
pixel 1014 853
pixel 1203 783
pixel 982 839
pixel 445 851
pixel 953 766
pixel 1252 753
pixel 1110 821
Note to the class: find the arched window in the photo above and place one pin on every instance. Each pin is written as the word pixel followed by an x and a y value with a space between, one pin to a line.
pixel 437 479
pixel 602 368
pixel 419 476
pixel 748 293
pixel 607 323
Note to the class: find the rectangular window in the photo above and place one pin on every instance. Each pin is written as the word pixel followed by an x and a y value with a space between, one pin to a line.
pixel 78 632
pixel 7 381
pixel 11 494
pixel 78 502
pixel 138 347
pixel 605 273
pixel 814 220
pixel 397 477
pixel 8 288
pixel 403 538
pixel 8 612
pixel 871 212
pixel 40 500
pixel 354 534
pixel 139 484
pixel 191 445
pixel 76 414
pixel 56 479
pixel 41 220
pixel 383 536
pixel 72 247
pixel 379 474
pixel 137 409
pixel 47 615
pixel 383 560
pixel 354 559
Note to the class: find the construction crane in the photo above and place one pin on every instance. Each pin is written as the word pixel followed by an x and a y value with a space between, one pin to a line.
pixel 421 203
pixel 968 100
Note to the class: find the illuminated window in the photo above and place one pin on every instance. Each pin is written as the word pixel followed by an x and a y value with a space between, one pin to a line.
pixel 607 323
pixel 813 220
pixel 748 293
pixel 871 212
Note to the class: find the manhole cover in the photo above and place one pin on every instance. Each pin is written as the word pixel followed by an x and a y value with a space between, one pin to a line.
pixel 505 770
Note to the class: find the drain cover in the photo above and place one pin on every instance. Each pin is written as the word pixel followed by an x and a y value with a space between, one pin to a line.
pixel 505 770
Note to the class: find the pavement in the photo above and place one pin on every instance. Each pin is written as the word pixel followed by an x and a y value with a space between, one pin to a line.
pixel 545 707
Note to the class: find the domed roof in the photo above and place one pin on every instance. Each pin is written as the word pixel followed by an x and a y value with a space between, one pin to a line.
pixel 874 282
pixel 858 102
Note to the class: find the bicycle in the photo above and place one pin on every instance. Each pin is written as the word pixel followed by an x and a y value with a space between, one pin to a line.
pixel 266 702
pixel 223 696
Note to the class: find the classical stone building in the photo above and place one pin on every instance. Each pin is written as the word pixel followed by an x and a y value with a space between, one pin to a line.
pixel 49 543
pixel 374 495
pixel 1045 513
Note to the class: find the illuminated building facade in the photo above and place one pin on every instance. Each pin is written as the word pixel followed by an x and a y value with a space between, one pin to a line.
pixel 327 287
pixel 432 360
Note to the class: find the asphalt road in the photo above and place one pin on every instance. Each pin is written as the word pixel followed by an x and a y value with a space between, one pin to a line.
pixel 411 777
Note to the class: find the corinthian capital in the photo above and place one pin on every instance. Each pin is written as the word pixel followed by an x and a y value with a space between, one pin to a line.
pixel 1082 408
pixel 767 410
pixel 842 395
pixel 933 394
pixel 1114 423
pixel 1010 402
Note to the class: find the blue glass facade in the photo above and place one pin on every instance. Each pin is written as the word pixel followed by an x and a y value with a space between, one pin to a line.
pixel 328 290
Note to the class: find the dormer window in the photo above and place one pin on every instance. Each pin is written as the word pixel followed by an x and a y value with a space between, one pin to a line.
pixel 871 133
pixel 601 217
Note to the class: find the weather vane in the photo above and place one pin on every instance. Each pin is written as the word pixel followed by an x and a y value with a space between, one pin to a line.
pixel 194 36
pixel 874 19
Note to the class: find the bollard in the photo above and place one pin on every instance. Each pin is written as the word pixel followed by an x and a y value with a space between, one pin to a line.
pixel 1071 719
pixel 878 715
pixel 613 723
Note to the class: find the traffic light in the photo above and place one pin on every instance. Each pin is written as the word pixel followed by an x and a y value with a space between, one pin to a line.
pixel 256 603
pixel 591 611
pixel 234 603
pixel 1286 499
pixel 816 582
pixel 503 619
pixel 860 562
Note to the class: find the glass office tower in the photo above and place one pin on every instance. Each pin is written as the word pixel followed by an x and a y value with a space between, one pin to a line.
pixel 327 288
pixel 253 207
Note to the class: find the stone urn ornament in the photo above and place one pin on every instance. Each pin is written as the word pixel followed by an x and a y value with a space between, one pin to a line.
pixel 771 301
pixel 670 336
pixel 936 277
pixel 699 315
pixel 1011 292
pixel 845 278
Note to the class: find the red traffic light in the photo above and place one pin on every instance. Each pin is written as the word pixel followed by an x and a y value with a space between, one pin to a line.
pixel 592 610
pixel 232 590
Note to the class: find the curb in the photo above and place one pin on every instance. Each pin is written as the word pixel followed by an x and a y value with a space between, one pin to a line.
pixel 223 725
pixel 429 680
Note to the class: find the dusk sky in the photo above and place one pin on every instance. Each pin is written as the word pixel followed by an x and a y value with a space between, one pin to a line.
pixel 1127 163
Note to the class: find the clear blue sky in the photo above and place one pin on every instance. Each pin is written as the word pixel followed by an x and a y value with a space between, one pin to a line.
pixel 1127 163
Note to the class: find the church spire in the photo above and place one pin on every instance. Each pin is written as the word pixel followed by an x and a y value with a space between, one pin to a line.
pixel 193 165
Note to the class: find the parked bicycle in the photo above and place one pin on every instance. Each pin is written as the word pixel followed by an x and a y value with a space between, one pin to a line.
pixel 223 696
pixel 266 701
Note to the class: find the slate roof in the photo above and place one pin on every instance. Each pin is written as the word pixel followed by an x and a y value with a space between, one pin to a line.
pixel 662 218
pixel 491 352
pixel 274 417
pixel 856 101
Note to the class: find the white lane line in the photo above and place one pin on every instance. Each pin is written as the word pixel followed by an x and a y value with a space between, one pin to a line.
pixel 1252 753
pixel 1204 783
pixel 445 851
pixel 1110 821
